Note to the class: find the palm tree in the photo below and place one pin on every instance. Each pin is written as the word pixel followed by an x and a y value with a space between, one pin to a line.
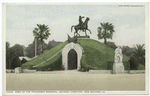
pixel 139 53
pixel 42 32
pixel 105 31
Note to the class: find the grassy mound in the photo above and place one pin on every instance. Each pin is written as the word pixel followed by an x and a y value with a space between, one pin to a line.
pixel 96 56
pixel 54 63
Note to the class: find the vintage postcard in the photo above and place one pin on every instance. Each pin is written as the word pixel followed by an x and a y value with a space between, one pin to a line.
pixel 75 48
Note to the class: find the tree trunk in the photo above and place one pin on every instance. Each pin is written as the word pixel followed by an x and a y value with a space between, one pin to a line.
pixel 35 43
pixel 41 46
pixel 105 37
pixel 105 40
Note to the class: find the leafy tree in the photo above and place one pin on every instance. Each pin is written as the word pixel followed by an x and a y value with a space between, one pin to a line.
pixel 112 45
pixel 23 61
pixel 30 50
pixel 126 50
pixel 139 53
pixel 10 55
pixel 16 62
pixel 42 32
pixel 7 54
pixel 105 31
pixel 7 45
pixel 52 44
pixel 18 49
pixel 133 63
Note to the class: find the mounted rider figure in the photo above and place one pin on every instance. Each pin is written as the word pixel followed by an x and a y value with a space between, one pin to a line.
pixel 82 26
pixel 80 21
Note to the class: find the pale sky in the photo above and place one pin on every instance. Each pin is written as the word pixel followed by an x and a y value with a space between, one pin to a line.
pixel 129 22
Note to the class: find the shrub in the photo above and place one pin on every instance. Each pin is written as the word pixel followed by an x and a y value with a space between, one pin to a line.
pixel 16 63
pixel 110 65
pixel 133 63
pixel 23 60
pixel 62 67
pixel 141 67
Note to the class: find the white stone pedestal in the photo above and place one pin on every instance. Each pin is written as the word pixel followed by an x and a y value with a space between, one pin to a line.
pixel 118 68
pixel 18 70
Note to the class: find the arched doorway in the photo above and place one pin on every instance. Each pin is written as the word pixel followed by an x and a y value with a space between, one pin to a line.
pixel 66 50
pixel 72 59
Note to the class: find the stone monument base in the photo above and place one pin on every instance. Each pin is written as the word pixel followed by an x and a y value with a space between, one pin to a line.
pixel 83 36
pixel 18 70
pixel 118 68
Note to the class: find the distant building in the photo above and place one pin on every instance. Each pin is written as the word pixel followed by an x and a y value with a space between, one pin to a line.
pixel 25 57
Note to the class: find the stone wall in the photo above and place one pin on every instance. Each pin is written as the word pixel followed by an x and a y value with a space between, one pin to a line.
pixel 137 71
pixel 111 71
pixel 10 71
pixel 101 71
pixel 28 71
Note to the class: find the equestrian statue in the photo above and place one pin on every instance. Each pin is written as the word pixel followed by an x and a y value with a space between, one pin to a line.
pixel 82 26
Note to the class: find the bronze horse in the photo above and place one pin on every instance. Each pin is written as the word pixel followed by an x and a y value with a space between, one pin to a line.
pixel 83 27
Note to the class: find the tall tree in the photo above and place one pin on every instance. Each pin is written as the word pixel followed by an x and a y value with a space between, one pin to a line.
pixel 126 50
pixel 16 63
pixel 10 55
pixel 23 61
pixel 139 53
pixel 7 55
pixel 112 45
pixel 18 49
pixel 105 31
pixel 52 44
pixel 133 63
pixel 42 32
pixel 30 50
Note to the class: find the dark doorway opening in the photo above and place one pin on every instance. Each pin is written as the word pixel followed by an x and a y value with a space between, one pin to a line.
pixel 72 59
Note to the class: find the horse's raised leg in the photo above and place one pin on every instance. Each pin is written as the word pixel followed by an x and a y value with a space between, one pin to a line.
pixel 85 33
pixel 78 34
pixel 89 30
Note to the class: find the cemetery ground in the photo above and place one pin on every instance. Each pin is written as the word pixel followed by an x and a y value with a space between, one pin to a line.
pixel 74 81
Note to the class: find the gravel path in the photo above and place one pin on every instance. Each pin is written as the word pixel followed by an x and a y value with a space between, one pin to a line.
pixel 73 81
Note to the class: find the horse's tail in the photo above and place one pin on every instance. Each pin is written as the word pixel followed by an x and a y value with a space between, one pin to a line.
pixel 71 28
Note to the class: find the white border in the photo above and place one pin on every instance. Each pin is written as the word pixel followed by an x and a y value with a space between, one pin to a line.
pixel 93 3
pixel 4 49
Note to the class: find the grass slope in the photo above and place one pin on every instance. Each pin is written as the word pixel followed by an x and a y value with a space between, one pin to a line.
pixel 54 63
pixel 96 55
